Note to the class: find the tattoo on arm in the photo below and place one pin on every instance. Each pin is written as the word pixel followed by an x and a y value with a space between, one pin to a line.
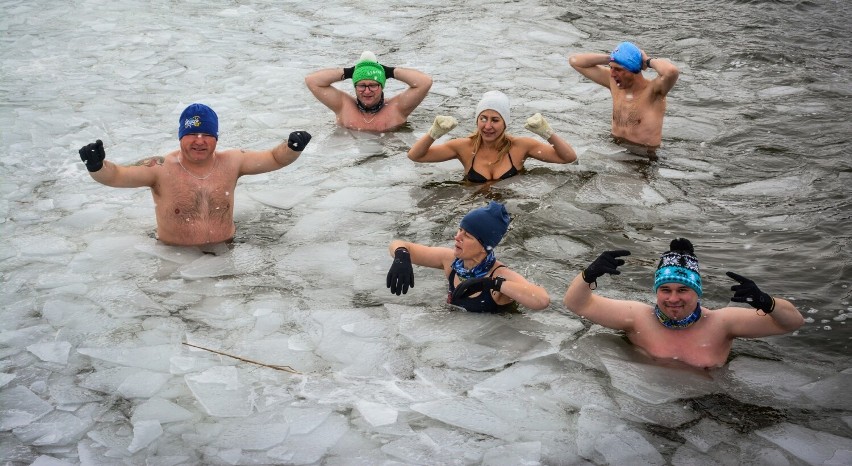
pixel 150 161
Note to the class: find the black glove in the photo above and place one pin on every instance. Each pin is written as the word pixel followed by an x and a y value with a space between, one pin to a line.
pixel 605 263
pixel 389 71
pixel 748 292
pixel 401 274
pixel 93 155
pixel 476 285
pixel 298 140
pixel 347 72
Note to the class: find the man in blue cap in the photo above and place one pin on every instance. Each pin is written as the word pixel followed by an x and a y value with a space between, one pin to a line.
pixel 369 110
pixel 193 187
pixel 638 104
pixel 678 327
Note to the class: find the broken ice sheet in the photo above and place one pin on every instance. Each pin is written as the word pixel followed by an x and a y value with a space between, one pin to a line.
pixel 220 392
pixel 809 445
pixel 19 406
pixel 468 413
pixel 657 384
pixel 52 351
pixel 158 409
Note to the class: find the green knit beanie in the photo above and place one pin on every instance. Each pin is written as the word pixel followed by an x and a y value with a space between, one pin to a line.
pixel 369 70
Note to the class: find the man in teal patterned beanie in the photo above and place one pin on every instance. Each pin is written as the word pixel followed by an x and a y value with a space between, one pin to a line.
pixel 677 326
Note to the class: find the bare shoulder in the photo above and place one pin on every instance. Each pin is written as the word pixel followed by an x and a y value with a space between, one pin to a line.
pixel 232 158
pixel 463 147
pixel 524 142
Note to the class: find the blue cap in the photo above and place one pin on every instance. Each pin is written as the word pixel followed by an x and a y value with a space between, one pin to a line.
pixel 627 55
pixel 487 224
pixel 198 118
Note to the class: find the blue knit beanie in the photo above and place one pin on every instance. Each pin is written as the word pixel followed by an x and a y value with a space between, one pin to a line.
pixel 627 55
pixel 198 118
pixel 678 265
pixel 487 224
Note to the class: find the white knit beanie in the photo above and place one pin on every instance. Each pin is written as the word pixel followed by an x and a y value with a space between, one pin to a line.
pixel 497 101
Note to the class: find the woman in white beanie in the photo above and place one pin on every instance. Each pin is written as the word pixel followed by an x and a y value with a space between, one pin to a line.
pixel 490 154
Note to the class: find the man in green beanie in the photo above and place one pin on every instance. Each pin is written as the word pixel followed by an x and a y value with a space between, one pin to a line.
pixel 369 110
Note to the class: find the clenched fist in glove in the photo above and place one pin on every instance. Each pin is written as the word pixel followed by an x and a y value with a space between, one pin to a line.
pixel 538 125
pixel 93 155
pixel 298 140
pixel 441 126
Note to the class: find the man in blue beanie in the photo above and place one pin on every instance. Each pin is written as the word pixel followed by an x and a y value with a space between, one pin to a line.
pixel 638 104
pixel 477 281
pixel 369 110
pixel 193 187
pixel 678 327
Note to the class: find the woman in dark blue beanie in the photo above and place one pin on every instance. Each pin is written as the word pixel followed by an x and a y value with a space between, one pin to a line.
pixel 477 281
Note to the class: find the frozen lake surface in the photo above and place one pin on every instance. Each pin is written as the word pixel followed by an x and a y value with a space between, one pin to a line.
pixel 102 329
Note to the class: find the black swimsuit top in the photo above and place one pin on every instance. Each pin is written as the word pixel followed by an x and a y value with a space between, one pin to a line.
pixel 484 302
pixel 474 177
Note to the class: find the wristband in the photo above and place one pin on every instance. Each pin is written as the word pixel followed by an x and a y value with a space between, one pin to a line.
pixel 389 71
pixel 498 282
pixel 648 63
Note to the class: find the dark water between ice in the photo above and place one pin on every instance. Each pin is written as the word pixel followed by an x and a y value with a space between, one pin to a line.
pixel 755 169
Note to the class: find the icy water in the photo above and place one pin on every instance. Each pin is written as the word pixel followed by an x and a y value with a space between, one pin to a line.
pixel 95 366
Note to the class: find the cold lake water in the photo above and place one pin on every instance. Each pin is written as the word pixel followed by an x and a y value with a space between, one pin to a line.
pixel 117 349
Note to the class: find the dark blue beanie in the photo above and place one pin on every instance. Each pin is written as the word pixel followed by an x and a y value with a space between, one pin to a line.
pixel 487 224
pixel 627 55
pixel 198 118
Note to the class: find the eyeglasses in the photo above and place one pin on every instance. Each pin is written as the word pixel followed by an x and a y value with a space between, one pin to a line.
pixel 364 87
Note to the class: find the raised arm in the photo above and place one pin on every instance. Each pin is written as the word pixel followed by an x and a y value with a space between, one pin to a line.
pixel 611 313
pixel 255 162
pixel 401 275
pixel 144 173
pixel 424 151
pixel 592 66
pixel 667 73
pixel 426 256
pixel 320 84
pixel 557 150
pixel 418 86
